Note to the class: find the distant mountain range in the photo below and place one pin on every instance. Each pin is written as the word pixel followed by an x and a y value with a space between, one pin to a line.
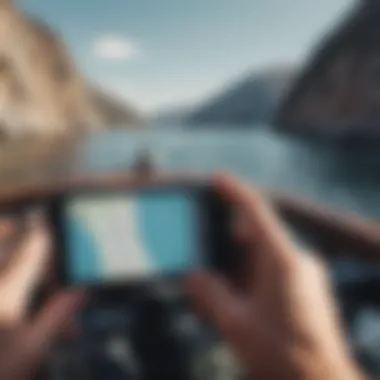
pixel 254 99
pixel 170 117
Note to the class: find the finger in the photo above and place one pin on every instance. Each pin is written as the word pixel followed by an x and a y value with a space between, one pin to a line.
pixel 228 312
pixel 269 232
pixel 7 229
pixel 234 317
pixel 7 226
pixel 242 231
pixel 23 274
pixel 54 321
pixel 215 299
pixel 73 330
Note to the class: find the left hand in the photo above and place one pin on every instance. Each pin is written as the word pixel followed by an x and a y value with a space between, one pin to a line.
pixel 24 345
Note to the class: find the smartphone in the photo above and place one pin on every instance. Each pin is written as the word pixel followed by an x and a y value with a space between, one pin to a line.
pixel 110 237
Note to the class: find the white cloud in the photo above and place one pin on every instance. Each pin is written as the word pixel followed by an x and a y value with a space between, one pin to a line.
pixel 115 48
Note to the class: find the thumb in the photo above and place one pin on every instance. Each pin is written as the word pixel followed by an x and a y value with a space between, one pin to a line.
pixel 23 274
pixel 53 321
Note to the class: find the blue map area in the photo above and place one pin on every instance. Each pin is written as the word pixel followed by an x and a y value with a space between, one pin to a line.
pixel 84 259
pixel 167 225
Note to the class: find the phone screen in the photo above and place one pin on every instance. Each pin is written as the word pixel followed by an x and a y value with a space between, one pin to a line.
pixel 111 237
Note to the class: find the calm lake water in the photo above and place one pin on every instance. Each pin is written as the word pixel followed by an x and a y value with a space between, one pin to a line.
pixel 347 179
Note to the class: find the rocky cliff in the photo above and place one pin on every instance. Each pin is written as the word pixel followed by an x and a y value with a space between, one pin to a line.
pixel 115 112
pixel 338 93
pixel 41 91
pixel 249 101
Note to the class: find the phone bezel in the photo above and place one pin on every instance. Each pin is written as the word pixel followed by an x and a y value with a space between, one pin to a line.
pixel 215 229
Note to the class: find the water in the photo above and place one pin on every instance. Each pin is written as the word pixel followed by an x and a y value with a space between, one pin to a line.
pixel 345 179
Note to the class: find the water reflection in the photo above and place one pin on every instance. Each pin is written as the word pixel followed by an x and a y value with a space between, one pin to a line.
pixel 322 171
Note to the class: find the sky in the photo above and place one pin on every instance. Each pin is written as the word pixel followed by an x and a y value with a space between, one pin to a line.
pixel 159 53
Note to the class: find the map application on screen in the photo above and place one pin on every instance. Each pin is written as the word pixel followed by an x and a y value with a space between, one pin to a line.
pixel 131 235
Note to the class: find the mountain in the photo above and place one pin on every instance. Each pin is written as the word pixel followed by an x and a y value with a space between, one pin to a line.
pixel 116 112
pixel 251 100
pixel 337 94
pixel 42 91
pixel 171 117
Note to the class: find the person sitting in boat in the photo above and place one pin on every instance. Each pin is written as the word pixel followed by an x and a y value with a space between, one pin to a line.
pixel 144 163
pixel 282 325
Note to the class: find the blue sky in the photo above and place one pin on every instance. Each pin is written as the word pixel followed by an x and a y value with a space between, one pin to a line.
pixel 162 52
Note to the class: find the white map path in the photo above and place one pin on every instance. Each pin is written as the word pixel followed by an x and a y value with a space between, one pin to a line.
pixel 114 225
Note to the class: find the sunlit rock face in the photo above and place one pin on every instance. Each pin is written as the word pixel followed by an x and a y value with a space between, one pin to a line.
pixel 41 91
pixel 338 93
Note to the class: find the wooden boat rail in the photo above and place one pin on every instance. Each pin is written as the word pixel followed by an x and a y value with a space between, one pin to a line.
pixel 333 232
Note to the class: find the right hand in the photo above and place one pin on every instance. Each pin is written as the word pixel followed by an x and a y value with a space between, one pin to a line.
pixel 284 323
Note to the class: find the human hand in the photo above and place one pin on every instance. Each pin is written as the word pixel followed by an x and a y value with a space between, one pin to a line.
pixel 24 345
pixel 283 324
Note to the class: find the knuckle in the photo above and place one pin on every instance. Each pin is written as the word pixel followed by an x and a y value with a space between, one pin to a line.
pixel 256 199
pixel 317 265
pixel 303 264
